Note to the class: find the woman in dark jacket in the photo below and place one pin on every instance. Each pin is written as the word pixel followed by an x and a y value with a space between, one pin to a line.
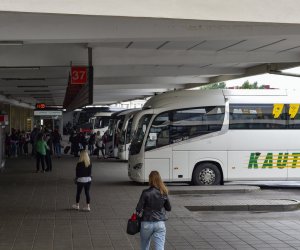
pixel 83 179
pixel 153 204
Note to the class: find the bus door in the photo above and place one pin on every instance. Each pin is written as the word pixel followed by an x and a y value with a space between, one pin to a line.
pixel 158 151
pixel 159 161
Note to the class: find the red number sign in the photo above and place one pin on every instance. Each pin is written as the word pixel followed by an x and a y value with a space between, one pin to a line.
pixel 78 75
pixel 40 105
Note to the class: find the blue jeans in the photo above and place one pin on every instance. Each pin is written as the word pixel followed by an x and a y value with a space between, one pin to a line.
pixel 155 230
pixel 57 149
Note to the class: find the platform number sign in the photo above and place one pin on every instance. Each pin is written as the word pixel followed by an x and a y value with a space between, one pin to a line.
pixel 78 75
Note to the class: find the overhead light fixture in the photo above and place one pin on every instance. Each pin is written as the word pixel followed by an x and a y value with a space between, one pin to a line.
pixel 32 86
pixel 11 43
pixel 23 79
pixel 34 91
pixel 20 68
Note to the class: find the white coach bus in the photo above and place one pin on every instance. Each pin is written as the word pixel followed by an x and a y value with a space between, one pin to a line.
pixel 99 122
pixel 126 135
pixel 210 136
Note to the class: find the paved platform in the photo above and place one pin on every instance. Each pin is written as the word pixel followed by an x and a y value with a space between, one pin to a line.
pixel 35 213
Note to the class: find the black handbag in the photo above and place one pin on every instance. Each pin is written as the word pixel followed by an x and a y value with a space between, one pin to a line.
pixel 133 225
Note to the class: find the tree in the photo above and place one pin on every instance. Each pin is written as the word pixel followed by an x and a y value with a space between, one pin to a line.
pixel 217 85
pixel 248 85
pixel 222 85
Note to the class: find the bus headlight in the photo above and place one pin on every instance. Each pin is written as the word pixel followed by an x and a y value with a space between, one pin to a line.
pixel 138 166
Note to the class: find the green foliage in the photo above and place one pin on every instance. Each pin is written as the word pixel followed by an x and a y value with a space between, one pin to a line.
pixel 222 85
pixel 248 85
pixel 217 85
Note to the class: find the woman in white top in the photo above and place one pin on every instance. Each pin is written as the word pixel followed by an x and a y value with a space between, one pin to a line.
pixel 83 179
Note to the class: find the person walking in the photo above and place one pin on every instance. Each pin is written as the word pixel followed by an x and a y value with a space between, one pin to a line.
pixel 41 147
pixel 83 179
pixel 152 207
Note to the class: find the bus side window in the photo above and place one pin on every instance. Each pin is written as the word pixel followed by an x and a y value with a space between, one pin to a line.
pixel 163 138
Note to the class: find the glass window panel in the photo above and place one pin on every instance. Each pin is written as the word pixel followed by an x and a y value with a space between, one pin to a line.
pixel 178 125
pixel 256 116
pixel 293 116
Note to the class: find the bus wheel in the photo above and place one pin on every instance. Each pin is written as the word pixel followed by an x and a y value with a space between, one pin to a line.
pixel 206 174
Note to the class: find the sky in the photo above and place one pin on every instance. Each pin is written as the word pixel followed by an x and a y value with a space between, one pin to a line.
pixel 275 81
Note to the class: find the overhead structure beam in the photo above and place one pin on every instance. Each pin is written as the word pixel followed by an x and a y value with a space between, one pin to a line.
pixel 257 70
pixel 153 57
pixel 163 70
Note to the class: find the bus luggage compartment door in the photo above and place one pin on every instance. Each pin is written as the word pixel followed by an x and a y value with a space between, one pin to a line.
pixel 256 165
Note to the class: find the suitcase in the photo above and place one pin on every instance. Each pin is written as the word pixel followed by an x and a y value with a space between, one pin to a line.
pixel 96 151
pixel 66 150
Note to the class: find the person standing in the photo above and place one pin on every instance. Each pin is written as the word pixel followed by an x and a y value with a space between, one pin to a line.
pixel 83 179
pixel 33 137
pixel 27 141
pixel 91 144
pixel 152 205
pixel 99 145
pixel 41 147
pixel 49 152
pixel 56 139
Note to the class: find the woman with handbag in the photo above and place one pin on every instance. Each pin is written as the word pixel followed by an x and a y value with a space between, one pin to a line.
pixel 153 204
pixel 83 179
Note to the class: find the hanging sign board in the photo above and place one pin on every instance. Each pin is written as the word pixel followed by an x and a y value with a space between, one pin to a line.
pixel 47 112
pixel 78 75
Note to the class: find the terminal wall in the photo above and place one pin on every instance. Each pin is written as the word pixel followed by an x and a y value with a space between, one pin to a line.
pixel 18 117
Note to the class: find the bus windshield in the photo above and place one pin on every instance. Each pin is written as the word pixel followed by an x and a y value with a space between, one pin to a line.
pixel 128 132
pixel 138 137
pixel 102 121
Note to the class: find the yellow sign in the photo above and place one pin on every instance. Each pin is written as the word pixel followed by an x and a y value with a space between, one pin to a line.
pixel 293 110
pixel 277 109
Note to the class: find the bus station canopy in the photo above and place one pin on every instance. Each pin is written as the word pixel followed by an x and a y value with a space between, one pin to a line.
pixel 140 48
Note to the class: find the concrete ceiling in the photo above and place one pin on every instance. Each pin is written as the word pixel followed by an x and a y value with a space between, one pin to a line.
pixel 135 57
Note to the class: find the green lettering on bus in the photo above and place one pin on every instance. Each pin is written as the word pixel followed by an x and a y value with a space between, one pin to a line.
pixel 268 161
pixel 295 159
pixel 253 160
pixel 282 160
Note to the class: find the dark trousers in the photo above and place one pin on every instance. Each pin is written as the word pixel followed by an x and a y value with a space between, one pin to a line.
pixel 86 187
pixel 40 159
pixel 48 161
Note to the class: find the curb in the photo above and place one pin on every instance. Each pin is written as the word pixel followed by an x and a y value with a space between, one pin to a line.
pixel 255 205
pixel 212 189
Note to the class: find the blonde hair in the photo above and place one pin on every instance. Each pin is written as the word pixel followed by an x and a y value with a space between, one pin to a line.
pixel 156 181
pixel 84 157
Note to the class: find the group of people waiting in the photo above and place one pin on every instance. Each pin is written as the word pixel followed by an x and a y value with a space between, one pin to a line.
pixel 16 143
pixel 44 144
pixel 95 143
